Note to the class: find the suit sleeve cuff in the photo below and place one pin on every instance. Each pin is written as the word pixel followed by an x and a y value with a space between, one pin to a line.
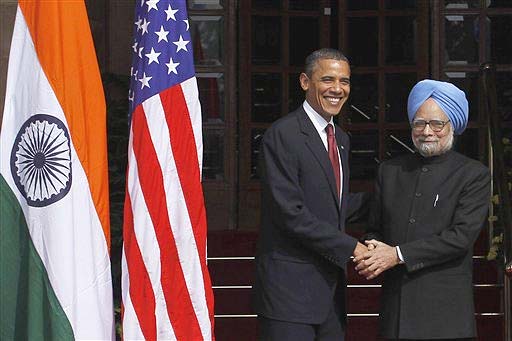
pixel 400 256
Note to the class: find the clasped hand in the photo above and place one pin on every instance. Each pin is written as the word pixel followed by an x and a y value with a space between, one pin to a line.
pixel 378 258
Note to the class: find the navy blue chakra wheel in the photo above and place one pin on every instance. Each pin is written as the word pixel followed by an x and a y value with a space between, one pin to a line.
pixel 41 160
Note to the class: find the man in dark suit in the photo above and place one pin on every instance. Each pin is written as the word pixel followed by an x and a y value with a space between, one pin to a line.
pixel 303 248
pixel 429 209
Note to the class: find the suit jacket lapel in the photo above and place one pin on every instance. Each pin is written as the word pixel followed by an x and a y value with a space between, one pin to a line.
pixel 315 144
pixel 344 161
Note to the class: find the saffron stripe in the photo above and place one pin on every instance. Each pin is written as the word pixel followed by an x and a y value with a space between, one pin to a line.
pixel 67 235
pixel 179 305
pixel 73 73
pixel 141 291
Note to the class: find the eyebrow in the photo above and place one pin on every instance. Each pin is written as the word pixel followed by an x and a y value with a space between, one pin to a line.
pixel 433 119
pixel 347 79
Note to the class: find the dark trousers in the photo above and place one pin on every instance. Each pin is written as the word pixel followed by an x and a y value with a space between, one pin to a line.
pixel 274 330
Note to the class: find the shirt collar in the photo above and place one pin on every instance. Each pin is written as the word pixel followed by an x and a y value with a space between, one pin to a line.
pixel 435 159
pixel 318 121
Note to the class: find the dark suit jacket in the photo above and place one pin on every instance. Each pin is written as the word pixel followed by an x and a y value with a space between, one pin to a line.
pixel 303 248
pixel 433 208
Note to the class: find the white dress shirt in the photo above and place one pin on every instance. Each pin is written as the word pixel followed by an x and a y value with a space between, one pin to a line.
pixel 320 124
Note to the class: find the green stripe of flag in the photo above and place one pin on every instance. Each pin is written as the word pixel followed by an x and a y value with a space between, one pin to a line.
pixel 29 309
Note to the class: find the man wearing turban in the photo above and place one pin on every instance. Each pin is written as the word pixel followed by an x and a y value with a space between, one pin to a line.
pixel 429 209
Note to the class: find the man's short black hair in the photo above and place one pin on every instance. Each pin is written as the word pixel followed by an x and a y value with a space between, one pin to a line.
pixel 324 53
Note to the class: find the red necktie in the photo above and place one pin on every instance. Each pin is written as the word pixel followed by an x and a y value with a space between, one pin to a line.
pixel 333 155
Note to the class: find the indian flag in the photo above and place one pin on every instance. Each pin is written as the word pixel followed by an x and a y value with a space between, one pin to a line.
pixel 55 281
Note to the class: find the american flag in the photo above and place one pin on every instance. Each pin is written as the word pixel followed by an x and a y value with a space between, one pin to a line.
pixel 166 288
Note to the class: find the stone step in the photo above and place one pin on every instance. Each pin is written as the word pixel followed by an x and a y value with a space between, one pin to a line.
pixel 243 243
pixel 231 266
pixel 240 271
pixel 489 327
pixel 236 300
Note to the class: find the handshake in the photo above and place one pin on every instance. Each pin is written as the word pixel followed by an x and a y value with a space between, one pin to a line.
pixel 374 258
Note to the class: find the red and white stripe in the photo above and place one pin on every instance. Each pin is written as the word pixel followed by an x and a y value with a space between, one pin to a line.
pixel 166 287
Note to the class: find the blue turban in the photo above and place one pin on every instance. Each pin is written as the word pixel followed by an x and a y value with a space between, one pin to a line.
pixel 451 99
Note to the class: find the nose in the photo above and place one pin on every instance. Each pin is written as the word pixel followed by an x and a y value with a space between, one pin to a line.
pixel 427 130
pixel 337 87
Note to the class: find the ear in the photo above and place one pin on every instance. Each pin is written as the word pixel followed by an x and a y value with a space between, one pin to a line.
pixel 304 81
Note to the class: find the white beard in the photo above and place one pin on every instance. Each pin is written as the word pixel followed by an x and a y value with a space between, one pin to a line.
pixel 428 149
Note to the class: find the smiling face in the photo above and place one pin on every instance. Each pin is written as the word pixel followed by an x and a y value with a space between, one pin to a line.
pixel 328 86
pixel 427 141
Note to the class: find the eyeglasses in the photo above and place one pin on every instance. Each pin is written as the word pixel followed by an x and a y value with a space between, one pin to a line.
pixel 435 125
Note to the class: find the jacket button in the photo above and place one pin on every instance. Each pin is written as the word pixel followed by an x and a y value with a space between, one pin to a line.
pixel 417 195
pixel 424 169
pixel 412 220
